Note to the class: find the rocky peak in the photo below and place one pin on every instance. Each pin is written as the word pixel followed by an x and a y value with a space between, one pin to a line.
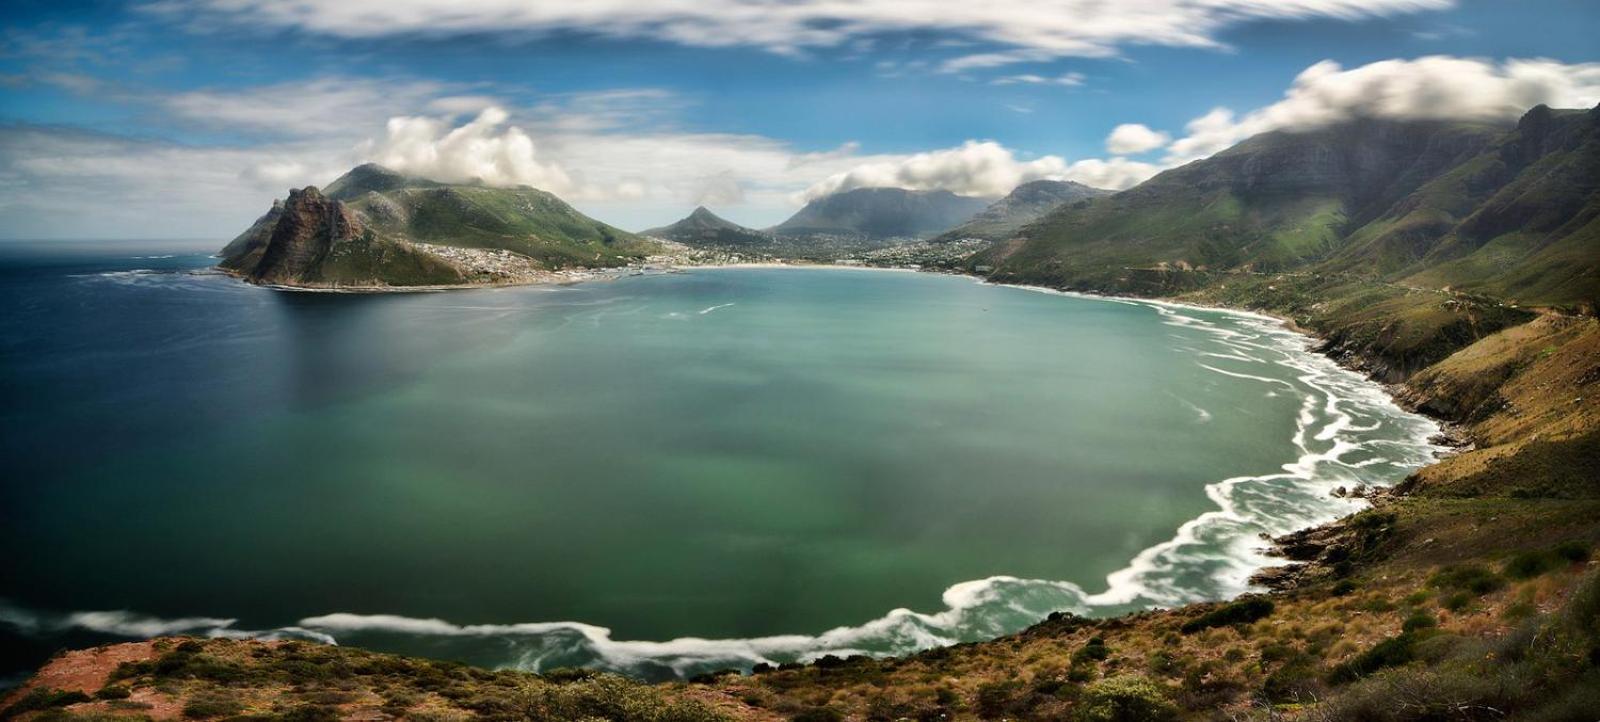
pixel 308 227
pixel 368 178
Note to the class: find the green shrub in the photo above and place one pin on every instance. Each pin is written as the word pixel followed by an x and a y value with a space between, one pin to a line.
pixel 1421 694
pixel 1582 611
pixel 1418 620
pixel 1577 704
pixel 1457 601
pixel 1295 681
pixel 1243 611
pixel 114 691
pixel 212 704
pixel 997 699
pixel 1572 551
pixel 1530 564
pixel 819 714
pixel 1125 699
pixel 43 698
pixel 1473 578
pixel 1342 588
pixel 1391 652
pixel 1094 650
pixel 310 713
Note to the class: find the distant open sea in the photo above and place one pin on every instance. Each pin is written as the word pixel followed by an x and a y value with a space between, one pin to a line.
pixel 662 474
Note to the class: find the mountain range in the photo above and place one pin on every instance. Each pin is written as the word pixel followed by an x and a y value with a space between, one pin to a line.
pixel 1025 204
pixel 1512 211
pixel 881 214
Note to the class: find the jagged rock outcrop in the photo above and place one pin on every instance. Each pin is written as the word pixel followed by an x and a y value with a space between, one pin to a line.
pixel 303 237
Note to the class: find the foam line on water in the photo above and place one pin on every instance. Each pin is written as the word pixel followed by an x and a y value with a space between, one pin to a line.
pixel 1209 557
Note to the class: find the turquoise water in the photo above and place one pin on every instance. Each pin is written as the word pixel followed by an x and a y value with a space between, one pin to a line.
pixel 661 474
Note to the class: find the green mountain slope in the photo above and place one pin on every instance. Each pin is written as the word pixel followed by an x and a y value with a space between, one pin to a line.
pixel 1526 217
pixel 1276 201
pixel 1025 204
pixel 1398 242
pixel 376 227
pixel 1513 212
pixel 881 214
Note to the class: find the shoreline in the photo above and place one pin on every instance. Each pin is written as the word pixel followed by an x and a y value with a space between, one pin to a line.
pixel 694 654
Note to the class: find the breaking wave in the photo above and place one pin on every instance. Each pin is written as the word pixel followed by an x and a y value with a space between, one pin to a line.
pixel 1348 432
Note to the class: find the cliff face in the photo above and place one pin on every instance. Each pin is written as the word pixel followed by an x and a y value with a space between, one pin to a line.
pixel 304 235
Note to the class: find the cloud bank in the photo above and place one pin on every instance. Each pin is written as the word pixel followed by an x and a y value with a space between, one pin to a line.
pixel 1031 29
pixel 484 150
pixel 1429 88
pixel 973 169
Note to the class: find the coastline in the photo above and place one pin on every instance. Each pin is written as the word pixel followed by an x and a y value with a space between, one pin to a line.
pixel 966 603
pixel 556 279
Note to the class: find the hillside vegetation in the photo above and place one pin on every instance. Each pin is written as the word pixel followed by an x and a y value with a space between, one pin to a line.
pixel 1469 209
pixel 374 227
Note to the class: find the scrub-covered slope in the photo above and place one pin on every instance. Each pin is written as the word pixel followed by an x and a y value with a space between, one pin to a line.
pixel 1506 210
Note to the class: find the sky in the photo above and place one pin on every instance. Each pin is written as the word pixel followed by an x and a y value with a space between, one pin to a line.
pixel 184 119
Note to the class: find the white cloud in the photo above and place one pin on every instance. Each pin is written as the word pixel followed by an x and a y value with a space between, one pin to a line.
pixel 484 149
pixel 619 155
pixel 1135 138
pixel 1023 29
pixel 1110 173
pixel 1435 87
pixel 1068 79
pixel 975 169
pixel 979 168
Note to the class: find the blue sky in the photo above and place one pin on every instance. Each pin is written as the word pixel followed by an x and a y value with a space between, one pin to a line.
pixel 184 118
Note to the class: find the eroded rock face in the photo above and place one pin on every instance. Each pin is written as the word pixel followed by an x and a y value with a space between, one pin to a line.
pixel 305 233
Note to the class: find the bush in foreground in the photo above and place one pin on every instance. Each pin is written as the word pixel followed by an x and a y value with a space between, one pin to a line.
pixel 1125 699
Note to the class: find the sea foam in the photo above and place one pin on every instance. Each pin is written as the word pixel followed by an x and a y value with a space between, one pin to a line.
pixel 1209 557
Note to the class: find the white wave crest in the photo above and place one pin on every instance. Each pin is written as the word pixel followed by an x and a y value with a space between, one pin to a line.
pixel 1342 421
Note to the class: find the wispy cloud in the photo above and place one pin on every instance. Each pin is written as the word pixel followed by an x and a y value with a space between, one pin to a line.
pixel 1020 30
pixel 1071 80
